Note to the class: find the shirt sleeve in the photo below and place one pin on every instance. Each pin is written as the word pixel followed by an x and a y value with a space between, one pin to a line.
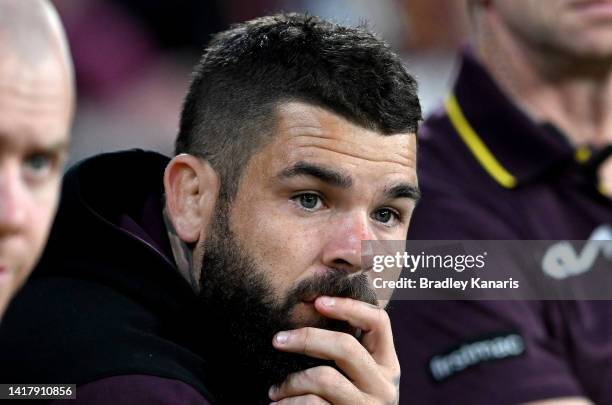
pixel 135 389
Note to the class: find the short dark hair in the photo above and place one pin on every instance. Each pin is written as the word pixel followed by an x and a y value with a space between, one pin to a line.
pixel 246 71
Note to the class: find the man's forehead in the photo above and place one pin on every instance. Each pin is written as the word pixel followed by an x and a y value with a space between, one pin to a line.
pixel 36 101
pixel 304 131
pixel 49 75
pixel 31 121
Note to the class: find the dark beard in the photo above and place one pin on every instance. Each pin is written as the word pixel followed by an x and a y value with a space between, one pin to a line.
pixel 241 316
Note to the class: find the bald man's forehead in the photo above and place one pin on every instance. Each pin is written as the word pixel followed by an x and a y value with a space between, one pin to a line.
pixel 48 75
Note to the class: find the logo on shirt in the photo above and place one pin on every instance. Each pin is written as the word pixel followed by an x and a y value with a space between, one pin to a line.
pixel 467 355
pixel 561 260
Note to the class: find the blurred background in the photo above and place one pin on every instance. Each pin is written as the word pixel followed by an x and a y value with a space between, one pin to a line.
pixel 133 57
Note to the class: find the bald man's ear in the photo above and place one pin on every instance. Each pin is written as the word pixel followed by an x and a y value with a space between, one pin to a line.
pixel 192 188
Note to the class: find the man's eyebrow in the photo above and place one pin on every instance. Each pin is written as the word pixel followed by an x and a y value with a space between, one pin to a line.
pixel 403 190
pixel 57 147
pixel 60 147
pixel 325 174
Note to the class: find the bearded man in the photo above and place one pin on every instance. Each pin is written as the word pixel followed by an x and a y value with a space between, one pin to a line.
pixel 233 272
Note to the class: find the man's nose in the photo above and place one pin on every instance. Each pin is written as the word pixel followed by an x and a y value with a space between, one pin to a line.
pixel 13 201
pixel 343 247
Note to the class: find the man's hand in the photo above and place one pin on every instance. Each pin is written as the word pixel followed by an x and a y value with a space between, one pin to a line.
pixel 371 368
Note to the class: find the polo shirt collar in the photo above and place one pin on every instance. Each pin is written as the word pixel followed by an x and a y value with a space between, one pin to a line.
pixel 508 144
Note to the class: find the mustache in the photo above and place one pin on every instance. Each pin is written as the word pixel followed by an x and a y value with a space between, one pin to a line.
pixel 335 283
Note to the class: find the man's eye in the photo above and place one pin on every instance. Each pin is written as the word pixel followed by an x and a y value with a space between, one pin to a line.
pixel 38 162
pixel 38 165
pixel 386 216
pixel 308 201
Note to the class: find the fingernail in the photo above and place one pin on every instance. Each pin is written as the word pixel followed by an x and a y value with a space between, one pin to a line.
pixel 327 301
pixel 281 337
pixel 271 391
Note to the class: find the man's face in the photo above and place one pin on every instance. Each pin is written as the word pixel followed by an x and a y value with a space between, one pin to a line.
pixel 577 28
pixel 36 106
pixel 308 199
pixel 305 202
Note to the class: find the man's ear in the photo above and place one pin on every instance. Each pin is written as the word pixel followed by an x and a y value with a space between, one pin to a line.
pixel 192 188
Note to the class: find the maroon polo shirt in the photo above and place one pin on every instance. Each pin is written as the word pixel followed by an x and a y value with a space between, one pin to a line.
pixel 487 171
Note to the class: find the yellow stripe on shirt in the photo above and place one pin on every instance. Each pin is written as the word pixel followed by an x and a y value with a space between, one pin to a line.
pixel 475 144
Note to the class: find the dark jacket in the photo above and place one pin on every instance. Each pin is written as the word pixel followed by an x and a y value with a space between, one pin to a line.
pixel 106 308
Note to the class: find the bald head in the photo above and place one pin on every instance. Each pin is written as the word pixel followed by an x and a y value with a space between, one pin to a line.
pixel 32 29
pixel 36 101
